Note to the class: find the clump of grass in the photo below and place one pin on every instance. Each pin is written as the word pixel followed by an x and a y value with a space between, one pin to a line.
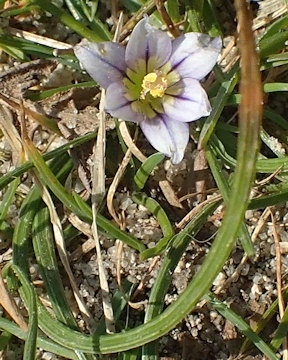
pixel 239 155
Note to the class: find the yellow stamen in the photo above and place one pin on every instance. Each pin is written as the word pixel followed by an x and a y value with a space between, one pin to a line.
pixel 154 83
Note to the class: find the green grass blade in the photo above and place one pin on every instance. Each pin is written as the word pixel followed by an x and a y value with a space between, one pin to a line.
pixel 278 197
pixel 146 169
pixel 130 355
pixel 237 320
pixel 277 26
pixel 274 87
pixel 31 341
pixel 223 186
pixel 22 233
pixel 173 10
pixel 84 212
pixel 281 332
pixel 81 13
pixel 114 232
pixel 219 102
pixel 18 171
pixel 7 200
pixel 273 44
pixel 41 95
pixel 43 240
pixel 153 206
pixel 68 20
pixel 158 249
pixel 42 342
pixel 12 51
pixel 262 165
pixel 170 261
pixel 260 325
pixel 211 19
pixel 5 338
pixel 27 47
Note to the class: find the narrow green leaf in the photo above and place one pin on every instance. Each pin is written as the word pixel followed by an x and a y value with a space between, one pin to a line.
pixel 31 341
pixel 130 355
pixel 5 338
pixel 24 46
pixel 7 200
pixel 211 19
pixel 260 325
pixel 278 197
pixel 158 249
pixel 41 95
pixel 273 44
pixel 241 325
pixel 42 342
pixel 273 87
pixel 13 51
pixel 43 241
pixel 218 105
pixel 22 233
pixel 277 26
pixel 262 165
pixel 223 185
pixel 170 261
pixel 153 206
pixel 146 169
pixel 18 171
pixel 68 20
pixel 173 10
pixel 83 211
pixel 281 332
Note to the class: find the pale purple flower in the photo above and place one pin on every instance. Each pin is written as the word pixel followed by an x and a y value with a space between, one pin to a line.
pixel 154 82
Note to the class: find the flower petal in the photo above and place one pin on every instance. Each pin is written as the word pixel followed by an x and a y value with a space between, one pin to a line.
pixel 149 46
pixel 167 136
pixel 186 101
pixel 104 61
pixel 117 104
pixel 194 54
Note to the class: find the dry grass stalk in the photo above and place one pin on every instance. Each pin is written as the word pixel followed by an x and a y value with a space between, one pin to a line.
pixel 8 303
pixel 281 303
pixel 170 194
pixel 194 211
pixel 98 193
pixel 38 39
pixel 113 187
pixel 130 143
pixel 60 244
pixel 11 134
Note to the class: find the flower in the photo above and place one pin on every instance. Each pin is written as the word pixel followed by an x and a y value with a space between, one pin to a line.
pixel 154 81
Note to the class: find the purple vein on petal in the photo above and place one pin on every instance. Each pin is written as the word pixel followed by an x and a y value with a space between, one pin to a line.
pixel 104 62
pixel 174 66
pixel 121 106
pixel 181 97
pixel 108 62
pixel 117 104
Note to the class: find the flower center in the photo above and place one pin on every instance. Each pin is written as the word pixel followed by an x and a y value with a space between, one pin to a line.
pixel 155 84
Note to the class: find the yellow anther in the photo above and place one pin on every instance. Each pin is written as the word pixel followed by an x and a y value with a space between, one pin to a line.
pixel 154 83
pixel 151 77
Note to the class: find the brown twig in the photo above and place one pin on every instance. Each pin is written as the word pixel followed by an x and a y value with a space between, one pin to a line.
pixel 130 142
pixel 166 18
pixel 281 302
pixel 195 210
